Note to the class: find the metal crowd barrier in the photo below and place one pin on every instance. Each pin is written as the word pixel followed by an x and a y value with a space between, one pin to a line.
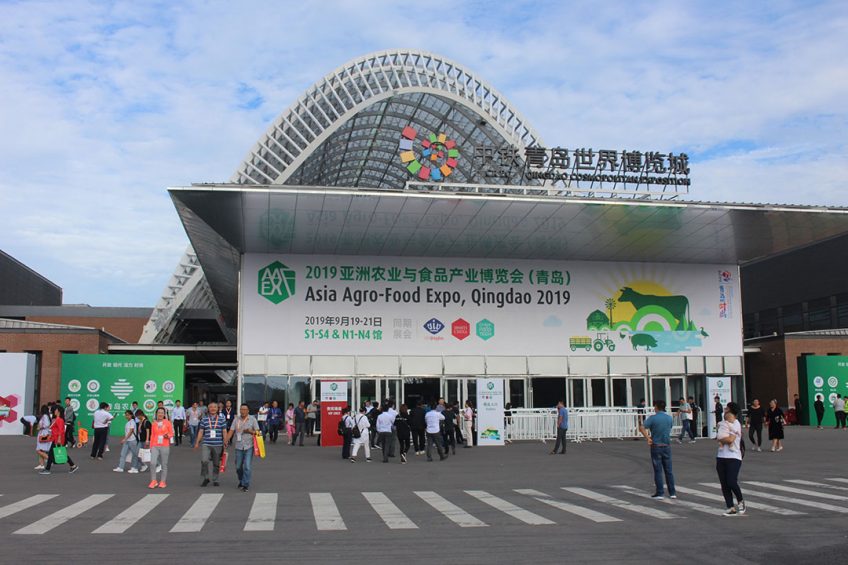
pixel 585 424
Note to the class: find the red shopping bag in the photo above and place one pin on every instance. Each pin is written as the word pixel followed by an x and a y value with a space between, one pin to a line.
pixel 223 466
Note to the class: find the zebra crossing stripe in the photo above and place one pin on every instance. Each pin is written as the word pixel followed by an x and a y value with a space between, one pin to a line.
pixel 327 517
pixel 749 504
pixel 712 510
pixel 790 500
pixel 838 480
pixel 622 504
pixel 195 517
pixel 263 513
pixel 508 508
pixel 123 521
pixel 394 518
pixel 16 507
pixel 58 518
pixel 567 507
pixel 795 490
pixel 456 514
pixel 815 484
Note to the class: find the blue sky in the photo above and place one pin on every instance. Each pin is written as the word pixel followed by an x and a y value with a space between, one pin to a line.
pixel 105 104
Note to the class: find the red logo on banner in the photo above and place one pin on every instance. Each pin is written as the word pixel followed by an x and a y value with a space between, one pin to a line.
pixel 460 329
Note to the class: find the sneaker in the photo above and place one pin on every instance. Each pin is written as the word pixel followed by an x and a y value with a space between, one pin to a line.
pixel 691 441
pixel 144 468
pixel 244 489
pixel 100 459
pixel 741 507
pixel 352 460
pixel 38 467
pixel 204 483
pixel 74 469
pixel 403 457
pixel 657 496
pixel 773 450
pixel 780 448
pixel 44 472
pixel 731 512
pixel 118 469
pixel 153 484
pixel 759 448
pixel 673 496
pixel 163 484
pixel 105 451
pixel 368 460
pixel 133 471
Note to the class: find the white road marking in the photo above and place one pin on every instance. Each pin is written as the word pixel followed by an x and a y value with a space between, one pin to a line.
pixel 713 510
pixel 263 513
pixel 838 480
pixel 123 521
pixel 61 516
pixel 327 517
pixel 815 484
pixel 16 507
pixel 195 517
pixel 795 490
pixel 749 504
pixel 508 508
pixel 791 500
pixel 622 504
pixel 456 514
pixel 394 518
pixel 567 507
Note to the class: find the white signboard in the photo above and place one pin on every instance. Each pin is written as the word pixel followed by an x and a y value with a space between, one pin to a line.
pixel 716 386
pixel 349 305
pixel 17 382
pixel 490 412
pixel 333 391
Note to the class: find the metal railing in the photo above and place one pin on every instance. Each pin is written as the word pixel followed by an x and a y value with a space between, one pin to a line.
pixel 585 424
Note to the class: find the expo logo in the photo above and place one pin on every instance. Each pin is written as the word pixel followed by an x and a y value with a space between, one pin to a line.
pixel 92 404
pixel 434 326
pixel 832 382
pixel 74 385
pixel 168 387
pixel 93 386
pixel 276 282
pixel 460 329
pixel 725 276
pixel 150 386
pixel 149 405
pixel 75 404
pixel 818 382
pixel 334 387
pixel 491 386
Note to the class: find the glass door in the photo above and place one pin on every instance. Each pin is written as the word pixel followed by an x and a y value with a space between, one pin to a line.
pixel 669 389
pixel 576 393
pixel 627 391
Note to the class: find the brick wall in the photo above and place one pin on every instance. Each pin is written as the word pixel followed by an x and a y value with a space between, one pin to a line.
pixel 128 329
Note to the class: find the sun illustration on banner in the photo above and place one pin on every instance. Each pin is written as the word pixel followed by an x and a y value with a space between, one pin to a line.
pixel 439 155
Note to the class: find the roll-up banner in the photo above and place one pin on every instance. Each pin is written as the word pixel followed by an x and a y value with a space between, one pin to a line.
pixel 490 412
pixel 333 399
pixel 716 386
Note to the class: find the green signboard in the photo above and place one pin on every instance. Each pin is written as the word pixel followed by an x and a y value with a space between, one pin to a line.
pixel 825 375
pixel 119 380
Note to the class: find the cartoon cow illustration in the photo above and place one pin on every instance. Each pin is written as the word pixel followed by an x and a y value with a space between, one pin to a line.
pixel 677 306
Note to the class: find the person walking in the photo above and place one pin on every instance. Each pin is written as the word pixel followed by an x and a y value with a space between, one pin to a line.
pixel 299 423
pixel 775 420
pixel 57 438
pixel 468 423
pixel 798 411
pixel 372 416
pixel 685 411
pixel 385 421
pixel 434 420
pixel 275 420
pixel 290 423
pixel 229 413
pixel 44 440
pixel 101 420
pixel 818 406
pixel 311 416
pixel 347 431
pixel 448 434
pixel 729 459
pixel 178 416
pixel 213 428
pixel 262 418
pixel 458 427
pixel 418 427
pixel 839 411
pixel 561 428
pixel 508 422
pixel 360 431
pixel 143 427
pixel 193 416
pixel 696 410
pixel 70 417
pixel 129 445
pixel 161 434
pixel 718 410
pixel 659 425
pixel 403 431
pixel 245 428
pixel 756 417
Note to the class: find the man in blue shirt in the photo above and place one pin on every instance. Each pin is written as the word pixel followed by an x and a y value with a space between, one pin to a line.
pixel 660 442
pixel 562 427
pixel 214 436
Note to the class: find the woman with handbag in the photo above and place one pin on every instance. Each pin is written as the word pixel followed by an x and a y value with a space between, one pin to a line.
pixel 58 453
pixel 775 425
pixel 161 434
pixel 43 443
pixel 129 445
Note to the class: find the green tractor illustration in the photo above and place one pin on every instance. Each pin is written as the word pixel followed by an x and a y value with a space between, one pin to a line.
pixel 602 341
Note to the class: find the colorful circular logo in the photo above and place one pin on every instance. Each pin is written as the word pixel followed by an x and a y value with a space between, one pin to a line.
pixel 93 386
pixel 168 387
pixel 491 386
pixel 74 385
pixel 149 405
pixel 439 155
pixel 169 404
pixel 334 387
pixel 150 386
pixel 832 382
pixel 92 404
pixel 75 404
pixel 818 382
pixel 831 397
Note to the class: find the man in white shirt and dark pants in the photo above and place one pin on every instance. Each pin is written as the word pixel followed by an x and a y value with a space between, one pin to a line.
pixel 101 420
pixel 434 419
pixel 178 416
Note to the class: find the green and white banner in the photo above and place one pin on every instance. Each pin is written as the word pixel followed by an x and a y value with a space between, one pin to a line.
pixel 825 376
pixel 490 412
pixel 119 380
pixel 349 305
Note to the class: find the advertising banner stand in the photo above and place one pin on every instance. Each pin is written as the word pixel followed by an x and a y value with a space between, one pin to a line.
pixel 17 391
pixel 490 412
pixel 333 399
pixel 825 375
pixel 716 386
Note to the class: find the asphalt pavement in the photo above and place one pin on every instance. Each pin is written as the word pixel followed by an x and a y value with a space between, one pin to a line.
pixel 511 504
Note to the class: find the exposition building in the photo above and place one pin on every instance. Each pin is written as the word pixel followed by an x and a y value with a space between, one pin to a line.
pixel 403 227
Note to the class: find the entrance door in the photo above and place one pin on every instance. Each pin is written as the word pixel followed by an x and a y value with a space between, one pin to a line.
pixel 424 390
pixel 627 391
pixel 669 389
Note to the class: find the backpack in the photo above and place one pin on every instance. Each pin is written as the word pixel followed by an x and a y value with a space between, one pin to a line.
pixel 357 433
pixel 341 427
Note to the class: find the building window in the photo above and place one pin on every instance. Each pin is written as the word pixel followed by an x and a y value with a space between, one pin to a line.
pixel 768 322
pixel 791 318
pixel 819 314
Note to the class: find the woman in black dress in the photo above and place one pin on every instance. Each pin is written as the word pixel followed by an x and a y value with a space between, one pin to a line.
pixel 756 416
pixel 775 424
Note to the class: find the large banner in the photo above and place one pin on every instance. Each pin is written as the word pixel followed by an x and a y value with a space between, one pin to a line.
pixel 720 387
pixel 825 376
pixel 119 380
pixel 348 305
pixel 17 386
pixel 490 412
pixel 333 399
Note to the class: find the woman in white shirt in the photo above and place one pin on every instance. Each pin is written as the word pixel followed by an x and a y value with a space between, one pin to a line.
pixel 729 459
pixel 361 422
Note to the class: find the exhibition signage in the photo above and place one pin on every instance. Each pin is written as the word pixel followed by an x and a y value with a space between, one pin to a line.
pixel 490 412
pixel 350 305
pixel 716 386
pixel 825 376
pixel 17 389
pixel 119 380
pixel 333 399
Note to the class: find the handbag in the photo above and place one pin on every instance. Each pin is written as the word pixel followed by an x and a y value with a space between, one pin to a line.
pixel 223 466
pixel 144 455
pixel 259 446
pixel 60 454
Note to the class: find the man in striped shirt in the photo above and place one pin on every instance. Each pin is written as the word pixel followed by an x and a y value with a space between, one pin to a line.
pixel 213 430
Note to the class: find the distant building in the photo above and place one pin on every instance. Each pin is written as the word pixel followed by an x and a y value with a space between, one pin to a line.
pixel 21 285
